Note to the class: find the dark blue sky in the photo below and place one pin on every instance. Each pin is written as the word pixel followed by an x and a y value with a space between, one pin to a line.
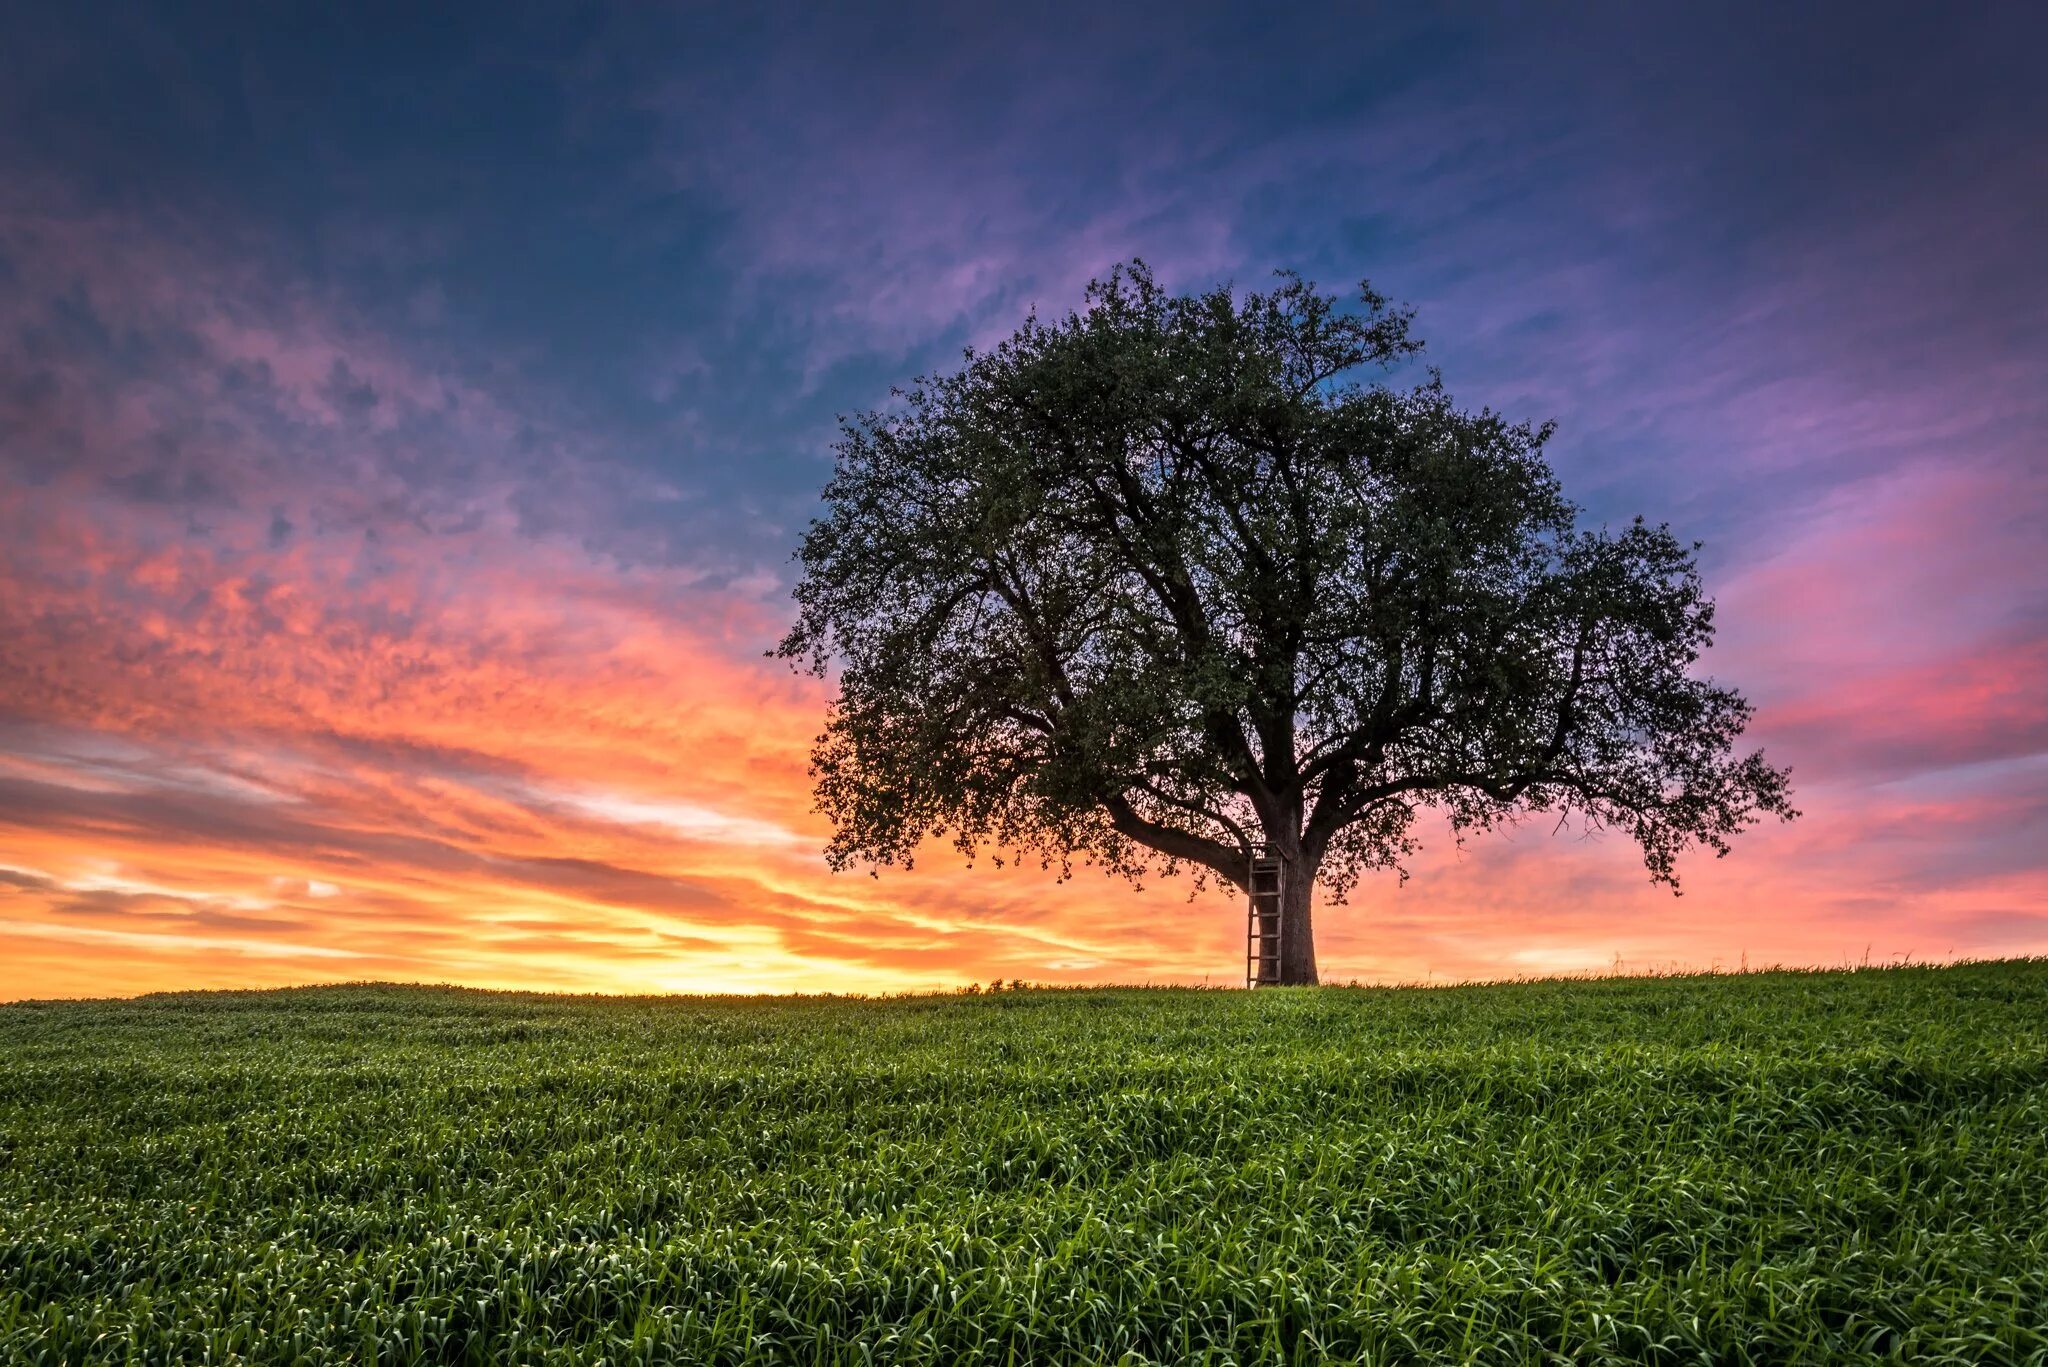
pixel 353 350
pixel 684 240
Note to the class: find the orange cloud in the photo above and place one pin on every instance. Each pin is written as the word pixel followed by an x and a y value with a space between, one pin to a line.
pixel 294 689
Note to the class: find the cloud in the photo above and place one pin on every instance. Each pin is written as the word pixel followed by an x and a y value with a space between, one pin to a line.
pixel 391 526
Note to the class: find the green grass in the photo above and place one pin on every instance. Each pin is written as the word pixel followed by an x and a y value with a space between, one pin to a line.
pixel 1769 1168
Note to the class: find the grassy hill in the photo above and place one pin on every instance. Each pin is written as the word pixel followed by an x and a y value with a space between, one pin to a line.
pixel 1769 1168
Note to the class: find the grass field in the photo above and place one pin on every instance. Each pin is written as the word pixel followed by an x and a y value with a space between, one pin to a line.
pixel 1769 1168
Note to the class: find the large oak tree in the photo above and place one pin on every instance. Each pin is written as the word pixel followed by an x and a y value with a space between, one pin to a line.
pixel 1165 579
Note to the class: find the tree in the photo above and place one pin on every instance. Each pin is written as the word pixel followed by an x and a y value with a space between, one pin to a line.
pixel 1163 580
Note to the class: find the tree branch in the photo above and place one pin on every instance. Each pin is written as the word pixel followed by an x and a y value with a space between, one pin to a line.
pixel 1175 843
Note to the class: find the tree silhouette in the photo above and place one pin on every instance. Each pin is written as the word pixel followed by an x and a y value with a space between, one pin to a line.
pixel 1162 580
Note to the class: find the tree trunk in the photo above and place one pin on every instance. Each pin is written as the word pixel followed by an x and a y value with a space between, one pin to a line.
pixel 1297 931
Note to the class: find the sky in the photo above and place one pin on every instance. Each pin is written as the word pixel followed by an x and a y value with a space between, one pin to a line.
pixel 407 416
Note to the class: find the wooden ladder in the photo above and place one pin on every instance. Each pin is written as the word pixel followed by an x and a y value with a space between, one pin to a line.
pixel 1262 918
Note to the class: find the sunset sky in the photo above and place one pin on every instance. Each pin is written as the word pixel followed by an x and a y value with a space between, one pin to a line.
pixel 406 423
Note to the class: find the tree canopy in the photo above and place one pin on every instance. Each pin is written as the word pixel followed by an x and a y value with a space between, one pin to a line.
pixel 1180 574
